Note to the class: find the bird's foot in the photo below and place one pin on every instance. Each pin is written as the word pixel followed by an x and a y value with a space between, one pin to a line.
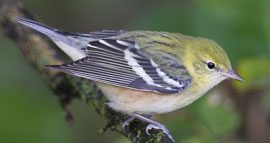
pixel 159 126
pixel 152 125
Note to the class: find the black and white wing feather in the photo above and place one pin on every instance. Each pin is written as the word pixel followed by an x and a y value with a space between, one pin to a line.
pixel 122 63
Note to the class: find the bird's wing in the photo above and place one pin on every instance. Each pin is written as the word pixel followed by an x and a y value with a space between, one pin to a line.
pixel 70 43
pixel 123 63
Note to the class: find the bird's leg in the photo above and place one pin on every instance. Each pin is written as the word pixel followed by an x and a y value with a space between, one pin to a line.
pixel 126 123
pixel 152 124
pixel 131 118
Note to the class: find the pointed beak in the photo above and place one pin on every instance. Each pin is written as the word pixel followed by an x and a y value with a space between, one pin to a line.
pixel 234 75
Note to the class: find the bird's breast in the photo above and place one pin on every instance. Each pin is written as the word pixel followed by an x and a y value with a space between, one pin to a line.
pixel 142 102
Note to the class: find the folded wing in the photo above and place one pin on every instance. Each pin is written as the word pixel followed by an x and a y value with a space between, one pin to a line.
pixel 123 63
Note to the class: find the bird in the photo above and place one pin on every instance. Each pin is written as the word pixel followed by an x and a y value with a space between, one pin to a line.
pixel 142 73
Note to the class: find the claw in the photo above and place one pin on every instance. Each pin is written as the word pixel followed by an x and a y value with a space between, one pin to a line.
pixel 159 127
pixel 126 123
pixel 152 125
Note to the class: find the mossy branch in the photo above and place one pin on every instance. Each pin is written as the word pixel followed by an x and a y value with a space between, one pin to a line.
pixel 39 51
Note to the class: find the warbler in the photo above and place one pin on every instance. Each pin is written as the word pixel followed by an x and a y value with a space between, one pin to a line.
pixel 142 72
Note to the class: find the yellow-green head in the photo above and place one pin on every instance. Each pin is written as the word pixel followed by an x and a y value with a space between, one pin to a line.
pixel 207 62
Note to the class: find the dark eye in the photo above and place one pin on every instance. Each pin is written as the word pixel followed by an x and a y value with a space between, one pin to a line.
pixel 211 65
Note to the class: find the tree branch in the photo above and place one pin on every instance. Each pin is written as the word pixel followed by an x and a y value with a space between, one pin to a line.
pixel 38 51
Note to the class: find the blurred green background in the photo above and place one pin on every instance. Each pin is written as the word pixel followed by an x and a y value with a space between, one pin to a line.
pixel 232 112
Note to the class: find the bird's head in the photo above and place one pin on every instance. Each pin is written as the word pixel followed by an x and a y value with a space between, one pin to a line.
pixel 208 62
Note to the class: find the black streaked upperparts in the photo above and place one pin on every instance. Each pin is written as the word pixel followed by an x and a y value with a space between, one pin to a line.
pixel 105 34
pixel 141 36
pixel 164 43
pixel 166 36
pixel 178 66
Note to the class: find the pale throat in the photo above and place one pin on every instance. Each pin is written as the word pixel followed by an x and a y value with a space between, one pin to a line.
pixel 199 88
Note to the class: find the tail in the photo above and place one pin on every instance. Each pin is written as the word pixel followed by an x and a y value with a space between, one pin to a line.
pixel 70 43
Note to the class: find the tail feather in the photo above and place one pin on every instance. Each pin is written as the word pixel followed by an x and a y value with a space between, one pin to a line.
pixel 40 27
pixel 70 43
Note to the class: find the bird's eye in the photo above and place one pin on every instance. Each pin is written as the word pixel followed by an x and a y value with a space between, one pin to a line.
pixel 211 65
